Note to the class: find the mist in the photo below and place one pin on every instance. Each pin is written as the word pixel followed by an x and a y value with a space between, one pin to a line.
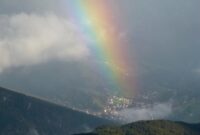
pixel 152 112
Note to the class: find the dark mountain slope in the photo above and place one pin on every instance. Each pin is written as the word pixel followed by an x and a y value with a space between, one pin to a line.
pixel 150 128
pixel 24 115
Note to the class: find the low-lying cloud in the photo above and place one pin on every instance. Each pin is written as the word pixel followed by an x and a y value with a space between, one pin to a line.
pixel 157 111
pixel 27 39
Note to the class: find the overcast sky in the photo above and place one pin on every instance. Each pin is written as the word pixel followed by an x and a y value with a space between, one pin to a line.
pixel 155 28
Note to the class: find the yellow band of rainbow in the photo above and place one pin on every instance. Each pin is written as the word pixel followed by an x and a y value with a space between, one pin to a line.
pixel 96 21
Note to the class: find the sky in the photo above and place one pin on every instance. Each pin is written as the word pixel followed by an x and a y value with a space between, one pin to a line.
pixel 154 28
pixel 162 37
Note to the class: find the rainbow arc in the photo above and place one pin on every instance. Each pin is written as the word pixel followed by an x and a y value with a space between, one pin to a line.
pixel 95 19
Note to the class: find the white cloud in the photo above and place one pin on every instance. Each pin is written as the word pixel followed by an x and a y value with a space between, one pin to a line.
pixel 157 111
pixel 27 39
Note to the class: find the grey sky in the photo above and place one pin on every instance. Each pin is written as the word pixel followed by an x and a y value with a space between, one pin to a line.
pixel 18 6
pixel 155 28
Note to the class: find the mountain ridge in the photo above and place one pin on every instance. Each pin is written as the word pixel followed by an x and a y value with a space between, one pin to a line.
pixel 21 114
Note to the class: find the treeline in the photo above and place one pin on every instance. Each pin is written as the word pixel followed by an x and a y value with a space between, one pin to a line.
pixel 159 127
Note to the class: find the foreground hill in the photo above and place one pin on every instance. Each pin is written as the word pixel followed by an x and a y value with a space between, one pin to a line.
pixel 150 128
pixel 24 115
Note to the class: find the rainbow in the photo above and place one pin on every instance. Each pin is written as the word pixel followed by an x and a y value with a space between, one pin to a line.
pixel 96 21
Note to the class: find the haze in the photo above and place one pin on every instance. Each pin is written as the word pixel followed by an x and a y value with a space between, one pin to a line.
pixel 41 53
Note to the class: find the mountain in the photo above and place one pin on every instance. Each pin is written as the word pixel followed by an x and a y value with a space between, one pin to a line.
pixel 159 127
pixel 21 114
pixel 157 84
pixel 71 81
pixel 179 87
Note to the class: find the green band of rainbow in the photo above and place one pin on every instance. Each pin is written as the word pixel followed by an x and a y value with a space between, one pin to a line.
pixel 95 20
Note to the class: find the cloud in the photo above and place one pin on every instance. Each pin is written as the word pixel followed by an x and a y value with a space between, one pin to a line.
pixel 27 39
pixel 196 70
pixel 157 111
pixel 33 131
